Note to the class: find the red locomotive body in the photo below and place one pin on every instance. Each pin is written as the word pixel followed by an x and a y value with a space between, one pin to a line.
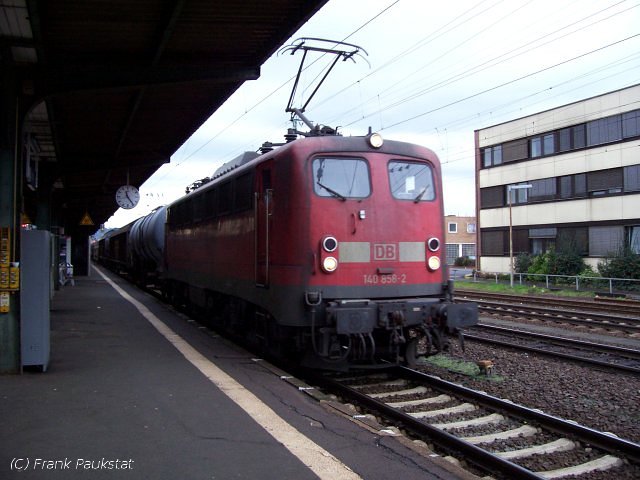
pixel 328 246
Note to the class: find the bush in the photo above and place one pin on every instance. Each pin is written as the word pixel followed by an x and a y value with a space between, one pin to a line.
pixel 569 263
pixel 465 262
pixel 551 262
pixel 624 264
pixel 523 262
pixel 587 277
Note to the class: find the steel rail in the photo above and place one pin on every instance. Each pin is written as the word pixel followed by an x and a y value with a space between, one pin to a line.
pixel 604 441
pixel 600 347
pixel 476 455
pixel 566 356
pixel 555 314
pixel 631 307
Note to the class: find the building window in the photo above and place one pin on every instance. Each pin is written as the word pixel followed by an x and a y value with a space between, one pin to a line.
pixel 544 189
pixel 564 140
pixel 632 178
pixel 565 186
pixel 604 130
pixel 604 241
pixel 542 239
pixel 633 238
pixel 536 147
pixel 548 144
pixel 603 182
pixel 543 145
pixel 631 124
pixel 452 227
pixel 520 241
pixel 515 150
pixel 452 252
pixel 492 156
pixel 469 249
pixel 492 197
pixel 519 195
pixel 471 228
pixel 572 186
pixel 573 239
pixel 493 243
pixel 486 157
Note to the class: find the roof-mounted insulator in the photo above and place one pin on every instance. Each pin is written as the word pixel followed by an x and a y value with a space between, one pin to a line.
pixel 266 147
pixel 291 135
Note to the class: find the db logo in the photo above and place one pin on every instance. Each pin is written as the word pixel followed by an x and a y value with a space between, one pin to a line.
pixel 384 251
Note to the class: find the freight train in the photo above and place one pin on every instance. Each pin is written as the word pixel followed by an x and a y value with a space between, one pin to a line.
pixel 326 249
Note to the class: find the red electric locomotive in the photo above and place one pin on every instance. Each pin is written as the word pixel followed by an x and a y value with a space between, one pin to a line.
pixel 329 247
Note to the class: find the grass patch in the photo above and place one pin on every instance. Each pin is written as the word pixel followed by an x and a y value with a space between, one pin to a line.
pixel 456 365
pixel 521 289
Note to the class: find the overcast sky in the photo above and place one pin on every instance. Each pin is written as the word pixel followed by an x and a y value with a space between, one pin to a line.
pixel 434 73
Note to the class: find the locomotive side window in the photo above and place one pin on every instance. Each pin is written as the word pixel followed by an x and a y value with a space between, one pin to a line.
pixel 210 203
pixel 411 181
pixel 341 177
pixel 224 198
pixel 244 193
pixel 198 207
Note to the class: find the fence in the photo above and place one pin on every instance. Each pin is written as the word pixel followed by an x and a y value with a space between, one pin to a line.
pixel 581 283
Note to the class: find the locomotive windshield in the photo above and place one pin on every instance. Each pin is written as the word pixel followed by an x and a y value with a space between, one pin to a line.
pixel 341 177
pixel 411 181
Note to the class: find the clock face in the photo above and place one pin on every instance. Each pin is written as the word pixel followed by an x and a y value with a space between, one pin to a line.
pixel 127 196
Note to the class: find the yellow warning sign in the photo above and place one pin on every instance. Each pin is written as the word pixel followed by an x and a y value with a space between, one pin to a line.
pixel 86 219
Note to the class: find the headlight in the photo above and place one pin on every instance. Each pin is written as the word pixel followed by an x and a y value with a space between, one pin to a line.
pixel 433 244
pixel 330 244
pixel 375 140
pixel 329 264
pixel 434 263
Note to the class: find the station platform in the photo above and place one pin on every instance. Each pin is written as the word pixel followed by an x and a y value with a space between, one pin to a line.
pixel 136 390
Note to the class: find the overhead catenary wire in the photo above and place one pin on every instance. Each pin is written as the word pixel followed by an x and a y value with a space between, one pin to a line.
pixel 489 63
pixel 509 82
pixel 271 93
pixel 382 102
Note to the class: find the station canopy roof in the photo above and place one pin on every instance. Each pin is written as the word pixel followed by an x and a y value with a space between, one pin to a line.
pixel 112 88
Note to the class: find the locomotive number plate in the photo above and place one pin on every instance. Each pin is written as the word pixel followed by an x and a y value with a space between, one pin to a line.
pixel 391 279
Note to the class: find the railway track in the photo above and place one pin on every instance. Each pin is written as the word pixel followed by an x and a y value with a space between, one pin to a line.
pixel 496 436
pixel 608 356
pixel 624 318
pixel 597 304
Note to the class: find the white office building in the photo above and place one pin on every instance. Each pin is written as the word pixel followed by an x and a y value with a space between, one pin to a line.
pixel 576 173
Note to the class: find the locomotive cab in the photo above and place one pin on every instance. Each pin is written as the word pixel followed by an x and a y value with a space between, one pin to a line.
pixel 378 287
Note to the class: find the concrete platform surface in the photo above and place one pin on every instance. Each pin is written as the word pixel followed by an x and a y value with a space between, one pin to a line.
pixel 136 391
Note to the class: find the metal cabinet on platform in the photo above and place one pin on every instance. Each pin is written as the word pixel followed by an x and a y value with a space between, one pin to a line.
pixel 35 297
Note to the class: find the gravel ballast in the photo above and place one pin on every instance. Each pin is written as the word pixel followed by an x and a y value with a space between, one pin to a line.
pixel 593 397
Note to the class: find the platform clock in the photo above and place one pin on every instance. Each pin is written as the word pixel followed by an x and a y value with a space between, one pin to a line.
pixel 127 196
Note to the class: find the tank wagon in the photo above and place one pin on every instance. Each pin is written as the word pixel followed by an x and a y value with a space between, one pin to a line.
pixel 328 248
pixel 146 244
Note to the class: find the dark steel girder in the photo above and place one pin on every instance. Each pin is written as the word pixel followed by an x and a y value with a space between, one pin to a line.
pixel 83 78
